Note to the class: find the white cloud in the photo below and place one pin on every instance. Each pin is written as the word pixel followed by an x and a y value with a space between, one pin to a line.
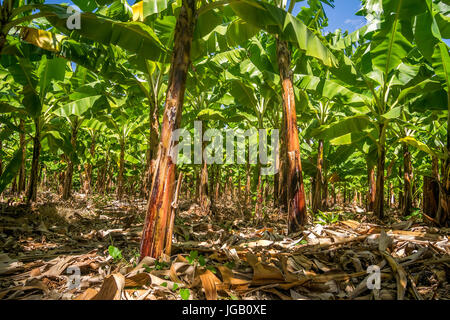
pixel 353 21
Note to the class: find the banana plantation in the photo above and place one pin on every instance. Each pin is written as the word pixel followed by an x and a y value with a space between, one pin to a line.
pixel 224 150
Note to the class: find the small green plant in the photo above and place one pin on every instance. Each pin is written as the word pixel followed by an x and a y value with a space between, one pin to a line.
pixel 415 214
pixel 147 268
pixel 195 257
pixel 115 253
pixel 159 265
pixel 326 217
pixel 233 297
pixel 185 294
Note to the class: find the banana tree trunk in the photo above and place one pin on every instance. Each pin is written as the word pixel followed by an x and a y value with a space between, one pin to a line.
pixel 218 185
pixel 121 167
pixel 32 186
pixel 282 173
pixel 161 193
pixel 67 192
pixel 87 178
pixel 317 199
pixel 324 190
pixel 401 198
pixel 435 168
pixel 152 151
pixel 14 185
pixel 101 185
pixel 391 195
pixel 296 200
pixel 21 184
pixel 372 188
pixel 430 196
pixel 43 177
pixel 203 189
pixel 345 193
pixel 248 197
pixel 212 181
pixel 68 181
pixel 443 213
pixel 88 168
pixel 259 199
pixel 379 189
pixel 276 179
pixel 407 179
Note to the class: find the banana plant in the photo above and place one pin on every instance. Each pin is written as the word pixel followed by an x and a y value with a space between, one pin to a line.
pixel 36 79
pixel 122 124
pixel 388 65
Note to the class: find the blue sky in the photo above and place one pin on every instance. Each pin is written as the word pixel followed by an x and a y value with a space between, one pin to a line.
pixel 342 16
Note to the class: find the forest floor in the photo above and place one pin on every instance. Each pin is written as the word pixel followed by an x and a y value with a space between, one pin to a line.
pixel 88 249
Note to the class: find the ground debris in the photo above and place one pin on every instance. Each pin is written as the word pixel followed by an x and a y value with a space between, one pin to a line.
pixel 64 254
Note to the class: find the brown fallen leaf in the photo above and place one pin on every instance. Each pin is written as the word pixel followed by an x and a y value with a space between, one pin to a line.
pixel 351 223
pixel 262 272
pixel 209 281
pixel 278 293
pixel 88 294
pixel 8 265
pixel 400 273
pixel 33 284
pixel 112 288
pixel 138 280
pixel 59 267
pixel 229 278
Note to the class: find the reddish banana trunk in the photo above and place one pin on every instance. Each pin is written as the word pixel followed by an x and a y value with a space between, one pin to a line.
pixel 407 180
pixel 391 195
pixel 372 188
pixel 161 194
pixel 204 192
pixel 443 213
pixel 217 190
pixel 152 151
pixel 88 169
pixel 121 167
pixel 87 178
pixel 21 184
pixel 317 199
pixel 379 189
pixel 259 199
pixel 103 175
pixel 32 186
pixel 297 215
pixel 324 189
pixel 282 174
